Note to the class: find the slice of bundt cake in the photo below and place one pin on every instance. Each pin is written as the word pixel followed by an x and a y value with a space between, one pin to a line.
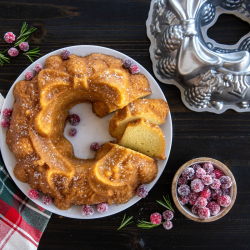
pixel 119 171
pixel 144 137
pixel 153 110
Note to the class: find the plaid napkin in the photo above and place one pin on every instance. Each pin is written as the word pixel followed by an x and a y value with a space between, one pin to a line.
pixel 22 222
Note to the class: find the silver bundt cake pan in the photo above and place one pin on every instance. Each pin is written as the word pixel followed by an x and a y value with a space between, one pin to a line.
pixel 211 76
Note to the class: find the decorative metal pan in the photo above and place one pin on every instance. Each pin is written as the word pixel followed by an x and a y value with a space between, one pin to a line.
pixel 211 76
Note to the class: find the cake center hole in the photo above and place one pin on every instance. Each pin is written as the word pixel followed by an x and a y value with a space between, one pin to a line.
pixel 90 129
pixel 228 29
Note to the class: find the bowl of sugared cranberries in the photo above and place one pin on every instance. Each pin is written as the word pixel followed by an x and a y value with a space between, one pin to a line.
pixel 204 189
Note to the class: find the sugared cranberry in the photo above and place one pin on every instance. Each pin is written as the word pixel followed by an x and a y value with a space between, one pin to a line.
pixel 182 181
pixel 28 75
pixel 13 52
pixel 224 200
pixel 195 209
pixel 225 191
pixel 193 197
pixel 65 54
pixel 95 146
pixel 200 173
pixel 168 215
pixel 24 46
pixel 47 200
pixel 218 173
pixel 142 191
pixel 213 175
pixel 216 184
pixel 38 68
pixel 226 182
pixel 204 213
pixel 207 180
pixel 33 194
pixel 5 123
pixel 155 218
pixel 184 190
pixel 196 167
pixel 197 185
pixel 87 211
pixel 102 207
pixel 74 119
pixel 126 63
pixel 206 193
pixel 214 207
pixel 209 168
pixel 168 224
pixel 9 37
pixel 188 173
pixel 7 112
pixel 183 200
pixel 201 202
pixel 72 132
pixel 134 69
pixel 216 193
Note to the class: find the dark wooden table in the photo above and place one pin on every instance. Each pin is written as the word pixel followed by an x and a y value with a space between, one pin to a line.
pixel 120 25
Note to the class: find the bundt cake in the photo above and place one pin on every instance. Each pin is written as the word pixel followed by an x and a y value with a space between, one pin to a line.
pixel 144 137
pixel 45 158
pixel 153 110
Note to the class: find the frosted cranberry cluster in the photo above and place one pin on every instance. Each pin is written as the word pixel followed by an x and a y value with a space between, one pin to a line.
pixel 35 194
pixel 132 67
pixel 74 120
pixel 156 218
pixel 10 37
pixel 29 74
pixel 86 210
pixel 168 215
pixel 205 189
pixel 5 122
pixel 65 54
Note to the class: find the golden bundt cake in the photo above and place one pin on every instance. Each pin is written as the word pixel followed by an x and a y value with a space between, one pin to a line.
pixel 144 137
pixel 45 158
pixel 153 110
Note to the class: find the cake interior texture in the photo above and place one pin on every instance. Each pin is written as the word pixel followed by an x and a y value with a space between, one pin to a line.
pixel 144 137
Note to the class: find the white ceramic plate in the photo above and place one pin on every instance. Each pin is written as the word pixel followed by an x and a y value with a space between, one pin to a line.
pixel 90 129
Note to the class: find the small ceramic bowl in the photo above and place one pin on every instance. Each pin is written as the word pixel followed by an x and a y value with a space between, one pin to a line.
pixel 184 209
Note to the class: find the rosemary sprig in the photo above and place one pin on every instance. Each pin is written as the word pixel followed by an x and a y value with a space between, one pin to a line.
pixel 167 203
pixel 24 32
pixel 146 225
pixel 23 29
pixel 125 221
pixel 3 58
pixel 32 53
pixel 20 41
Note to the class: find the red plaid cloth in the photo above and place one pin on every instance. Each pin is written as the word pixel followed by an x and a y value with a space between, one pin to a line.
pixel 22 222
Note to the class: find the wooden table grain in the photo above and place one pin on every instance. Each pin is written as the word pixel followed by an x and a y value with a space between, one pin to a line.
pixel 120 25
